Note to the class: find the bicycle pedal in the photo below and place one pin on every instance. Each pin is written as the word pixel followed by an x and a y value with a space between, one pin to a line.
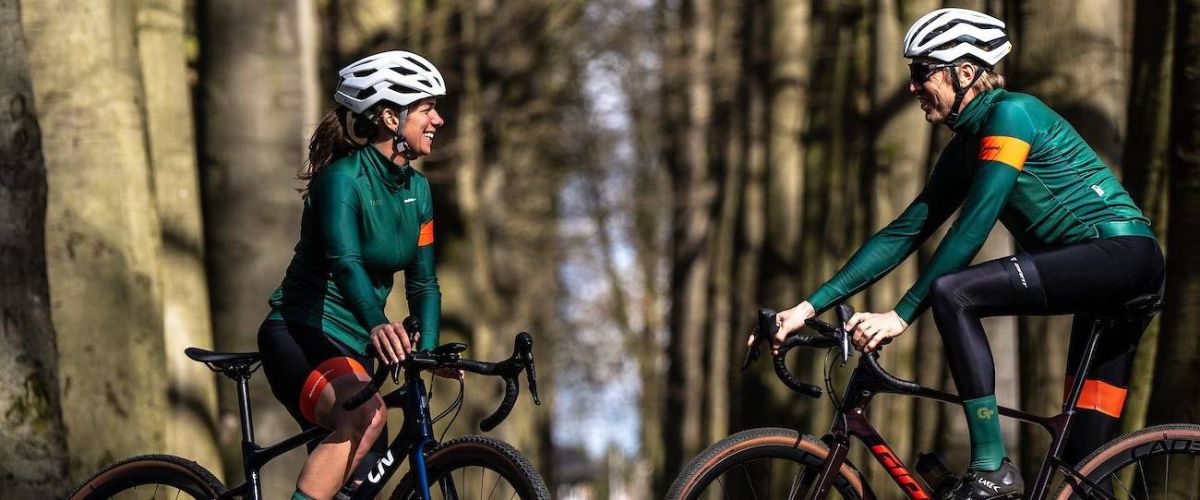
pixel 933 470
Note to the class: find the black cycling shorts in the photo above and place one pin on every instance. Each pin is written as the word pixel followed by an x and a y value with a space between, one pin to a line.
pixel 300 360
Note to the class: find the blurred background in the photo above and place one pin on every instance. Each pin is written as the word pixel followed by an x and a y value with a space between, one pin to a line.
pixel 628 180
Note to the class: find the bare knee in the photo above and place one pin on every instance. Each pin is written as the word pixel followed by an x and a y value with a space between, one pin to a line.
pixel 365 421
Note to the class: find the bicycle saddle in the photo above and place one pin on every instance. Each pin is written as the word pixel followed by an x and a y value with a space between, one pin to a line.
pixel 223 361
pixel 1145 305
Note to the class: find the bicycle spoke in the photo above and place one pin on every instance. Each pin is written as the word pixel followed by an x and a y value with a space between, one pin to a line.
pixel 1145 485
pixel 1121 483
pixel 749 481
pixel 1195 476
pixel 494 486
pixel 795 487
pixel 769 463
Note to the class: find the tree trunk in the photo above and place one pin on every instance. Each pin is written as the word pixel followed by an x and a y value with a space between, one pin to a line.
pixel 102 234
pixel 693 193
pixel 191 390
pixel 786 114
pixel 1145 163
pixel 1051 40
pixel 258 106
pixel 897 160
pixel 31 429
pixel 1179 348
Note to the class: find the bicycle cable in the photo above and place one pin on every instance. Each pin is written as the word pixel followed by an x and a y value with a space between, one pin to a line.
pixel 455 406
pixel 833 397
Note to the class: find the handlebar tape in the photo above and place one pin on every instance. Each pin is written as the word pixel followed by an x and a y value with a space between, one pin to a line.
pixel 511 391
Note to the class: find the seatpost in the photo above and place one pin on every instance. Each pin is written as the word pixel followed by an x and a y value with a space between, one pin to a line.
pixel 1085 366
pixel 248 446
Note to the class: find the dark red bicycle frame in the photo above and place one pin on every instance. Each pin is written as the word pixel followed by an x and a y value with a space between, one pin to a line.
pixel 869 379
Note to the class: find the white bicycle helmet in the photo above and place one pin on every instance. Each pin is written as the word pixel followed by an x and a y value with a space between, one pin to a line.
pixel 394 76
pixel 949 34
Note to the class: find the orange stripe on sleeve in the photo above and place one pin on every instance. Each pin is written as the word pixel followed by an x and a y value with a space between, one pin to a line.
pixel 1007 150
pixel 1100 396
pixel 426 237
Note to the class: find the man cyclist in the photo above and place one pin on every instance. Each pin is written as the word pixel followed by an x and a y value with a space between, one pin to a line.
pixel 1085 245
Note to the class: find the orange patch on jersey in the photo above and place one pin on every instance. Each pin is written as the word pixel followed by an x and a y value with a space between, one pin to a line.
pixel 426 237
pixel 1007 150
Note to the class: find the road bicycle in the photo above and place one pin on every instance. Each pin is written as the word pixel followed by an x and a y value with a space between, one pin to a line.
pixel 465 467
pixel 1156 462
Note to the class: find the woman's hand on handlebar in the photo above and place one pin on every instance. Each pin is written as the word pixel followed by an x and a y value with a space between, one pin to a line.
pixel 871 330
pixel 391 342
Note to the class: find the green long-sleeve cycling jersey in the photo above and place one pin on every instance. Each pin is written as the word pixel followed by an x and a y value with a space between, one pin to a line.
pixel 364 219
pixel 1014 159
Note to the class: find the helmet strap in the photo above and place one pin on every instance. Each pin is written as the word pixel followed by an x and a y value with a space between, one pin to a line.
pixel 960 92
pixel 400 147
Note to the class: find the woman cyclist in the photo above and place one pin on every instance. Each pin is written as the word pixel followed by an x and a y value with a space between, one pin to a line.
pixel 367 214
pixel 1085 245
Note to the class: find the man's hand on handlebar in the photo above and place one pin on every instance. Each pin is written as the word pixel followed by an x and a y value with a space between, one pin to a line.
pixel 791 320
pixel 391 342
pixel 871 330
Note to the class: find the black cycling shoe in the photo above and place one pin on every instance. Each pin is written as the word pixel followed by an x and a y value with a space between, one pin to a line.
pixel 1002 483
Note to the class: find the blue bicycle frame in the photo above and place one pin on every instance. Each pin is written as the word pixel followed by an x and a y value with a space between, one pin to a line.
pixel 414 438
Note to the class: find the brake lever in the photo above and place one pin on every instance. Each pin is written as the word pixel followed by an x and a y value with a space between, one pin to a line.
pixel 525 341
pixel 764 329
pixel 844 312
pixel 412 326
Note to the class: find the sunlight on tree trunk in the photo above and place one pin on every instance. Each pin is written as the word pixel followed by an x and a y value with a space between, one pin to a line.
pixel 192 389
pixel 102 230
pixel 31 427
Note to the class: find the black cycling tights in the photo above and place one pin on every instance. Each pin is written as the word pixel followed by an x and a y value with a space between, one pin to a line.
pixel 1074 279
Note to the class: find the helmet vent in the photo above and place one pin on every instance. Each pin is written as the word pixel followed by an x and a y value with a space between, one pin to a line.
pixel 418 63
pixel 404 89
pixel 365 93
pixel 403 71
pixel 362 72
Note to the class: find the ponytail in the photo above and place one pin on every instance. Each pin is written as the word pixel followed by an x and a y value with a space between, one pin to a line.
pixel 340 133
pixel 329 143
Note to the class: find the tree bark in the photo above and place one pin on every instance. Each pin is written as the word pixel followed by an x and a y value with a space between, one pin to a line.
pixel 31 429
pixel 259 104
pixel 1051 39
pixel 897 160
pixel 693 193
pixel 102 234
pixel 1145 163
pixel 1179 348
pixel 192 389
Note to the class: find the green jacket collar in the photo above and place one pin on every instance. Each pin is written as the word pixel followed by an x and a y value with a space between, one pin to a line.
pixel 393 176
pixel 976 111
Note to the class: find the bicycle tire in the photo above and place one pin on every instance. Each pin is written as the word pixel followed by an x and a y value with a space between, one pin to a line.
pixel 766 443
pixel 449 470
pixel 1133 449
pixel 140 473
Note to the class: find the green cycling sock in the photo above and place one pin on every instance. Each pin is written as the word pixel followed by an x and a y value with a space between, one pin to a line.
pixel 983 422
pixel 299 495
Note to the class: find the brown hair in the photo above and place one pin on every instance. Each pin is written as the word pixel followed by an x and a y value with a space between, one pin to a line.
pixel 332 140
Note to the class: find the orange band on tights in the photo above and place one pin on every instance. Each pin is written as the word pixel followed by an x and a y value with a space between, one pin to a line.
pixel 317 379
pixel 1100 396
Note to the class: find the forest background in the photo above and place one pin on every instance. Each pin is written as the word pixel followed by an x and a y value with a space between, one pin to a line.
pixel 626 179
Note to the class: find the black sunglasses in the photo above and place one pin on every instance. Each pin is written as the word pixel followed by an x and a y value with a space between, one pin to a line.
pixel 920 72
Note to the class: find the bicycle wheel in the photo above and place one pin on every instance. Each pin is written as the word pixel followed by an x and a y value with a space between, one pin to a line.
pixel 763 463
pixel 1160 462
pixel 151 477
pixel 476 467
